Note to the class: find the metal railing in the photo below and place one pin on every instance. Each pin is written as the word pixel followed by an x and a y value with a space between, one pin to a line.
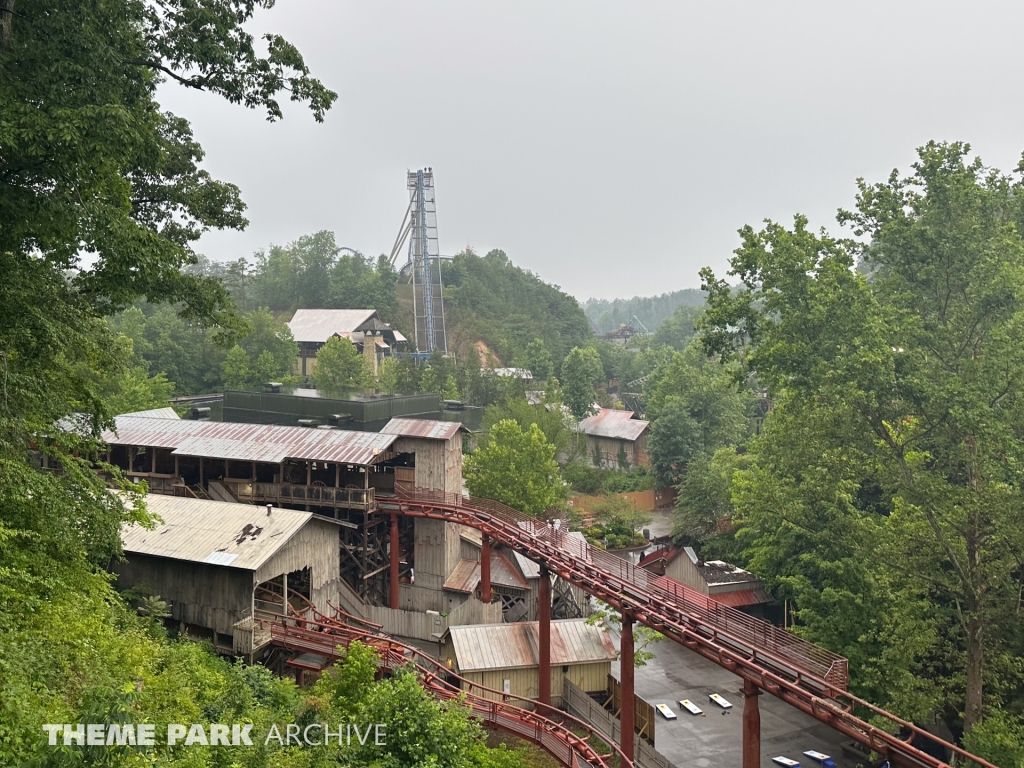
pixel 352 498
pixel 553 730
pixel 805 676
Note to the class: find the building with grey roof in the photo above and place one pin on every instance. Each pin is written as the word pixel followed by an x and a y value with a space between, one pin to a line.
pixel 616 439
pixel 223 566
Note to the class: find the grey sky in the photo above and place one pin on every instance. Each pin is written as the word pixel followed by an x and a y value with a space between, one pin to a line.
pixel 613 148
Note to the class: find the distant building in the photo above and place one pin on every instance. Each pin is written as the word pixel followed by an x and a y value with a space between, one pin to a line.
pixel 621 335
pixel 504 657
pixel 522 374
pixel 311 328
pixel 616 439
pixel 725 583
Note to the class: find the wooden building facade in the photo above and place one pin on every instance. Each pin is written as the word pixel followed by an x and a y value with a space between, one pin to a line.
pixel 219 565
pixel 505 657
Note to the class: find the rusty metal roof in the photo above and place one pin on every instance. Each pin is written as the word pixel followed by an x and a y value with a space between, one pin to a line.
pixel 466 575
pixel 156 413
pixel 618 425
pixel 318 325
pixel 213 532
pixel 434 430
pixel 249 442
pixel 742 597
pixel 482 647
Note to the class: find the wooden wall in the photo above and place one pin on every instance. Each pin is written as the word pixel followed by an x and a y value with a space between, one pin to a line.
pixel 438 462
pixel 683 570
pixel 205 595
pixel 426 626
pixel 525 681
pixel 315 546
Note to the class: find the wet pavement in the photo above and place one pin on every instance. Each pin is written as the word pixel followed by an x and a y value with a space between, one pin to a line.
pixel 715 740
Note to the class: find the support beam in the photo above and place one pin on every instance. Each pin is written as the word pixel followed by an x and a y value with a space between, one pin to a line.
pixel 393 544
pixel 544 598
pixel 627 703
pixel 177 470
pixel 485 568
pixel 284 588
pixel 751 726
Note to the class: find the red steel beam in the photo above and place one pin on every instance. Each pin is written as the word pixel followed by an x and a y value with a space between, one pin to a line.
pixel 810 693
pixel 627 700
pixel 751 726
pixel 485 568
pixel 393 575
pixel 544 640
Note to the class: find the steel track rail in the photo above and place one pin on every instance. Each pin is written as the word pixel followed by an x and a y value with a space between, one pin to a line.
pixel 660 610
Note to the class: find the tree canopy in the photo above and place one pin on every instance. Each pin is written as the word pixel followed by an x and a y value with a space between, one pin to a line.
pixel 891 459
pixel 516 467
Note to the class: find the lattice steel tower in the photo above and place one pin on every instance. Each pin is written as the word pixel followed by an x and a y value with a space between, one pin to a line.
pixel 423 269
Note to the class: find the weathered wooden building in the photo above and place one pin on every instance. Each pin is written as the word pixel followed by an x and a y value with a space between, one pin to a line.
pixel 311 329
pixel 505 657
pixel 616 439
pixel 728 584
pixel 332 473
pixel 218 564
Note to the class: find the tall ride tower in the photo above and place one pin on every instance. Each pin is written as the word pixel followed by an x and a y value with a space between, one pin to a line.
pixel 423 269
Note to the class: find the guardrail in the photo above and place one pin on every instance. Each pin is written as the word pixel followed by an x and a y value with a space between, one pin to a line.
pixel 351 498
pixel 807 677
pixel 545 726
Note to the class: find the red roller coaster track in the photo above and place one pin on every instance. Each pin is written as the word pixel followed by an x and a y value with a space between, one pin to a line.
pixel 558 733
pixel 803 675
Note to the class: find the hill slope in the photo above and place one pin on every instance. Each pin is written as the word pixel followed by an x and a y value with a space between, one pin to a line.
pixel 651 310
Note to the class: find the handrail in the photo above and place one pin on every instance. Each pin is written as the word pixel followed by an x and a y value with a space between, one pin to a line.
pixel 439 679
pixel 818 692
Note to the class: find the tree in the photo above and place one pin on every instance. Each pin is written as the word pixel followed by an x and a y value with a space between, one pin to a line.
pixel 538 360
pixel 516 467
pixel 920 351
pixel 610 620
pixel 703 515
pixel 695 406
pixel 270 335
pixel 580 372
pixel 339 365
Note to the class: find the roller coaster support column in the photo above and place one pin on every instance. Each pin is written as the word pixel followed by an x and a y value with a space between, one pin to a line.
pixel 627 702
pixel 485 569
pixel 544 597
pixel 751 726
pixel 393 597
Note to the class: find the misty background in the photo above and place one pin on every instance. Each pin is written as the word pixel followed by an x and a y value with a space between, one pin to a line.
pixel 612 148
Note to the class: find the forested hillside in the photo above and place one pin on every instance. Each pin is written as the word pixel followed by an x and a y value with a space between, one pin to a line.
pixel 652 311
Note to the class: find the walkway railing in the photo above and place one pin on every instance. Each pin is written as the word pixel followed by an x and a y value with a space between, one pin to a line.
pixel 551 729
pixel 809 678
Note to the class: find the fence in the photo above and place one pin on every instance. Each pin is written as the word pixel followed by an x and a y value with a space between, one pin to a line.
pixel 580 705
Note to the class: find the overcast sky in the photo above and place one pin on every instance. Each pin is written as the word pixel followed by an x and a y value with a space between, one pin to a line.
pixel 612 148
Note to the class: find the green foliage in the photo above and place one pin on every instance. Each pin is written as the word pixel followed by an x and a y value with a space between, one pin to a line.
pixel 888 471
pixel 339 365
pixel 581 370
pixel 679 330
pixel 516 467
pixel 489 299
pixel 704 509
pixel 652 310
pixel 695 406
pixel 537 360
pixel 547 415
pixel 618 523
pixel 609 619
pixel 594 481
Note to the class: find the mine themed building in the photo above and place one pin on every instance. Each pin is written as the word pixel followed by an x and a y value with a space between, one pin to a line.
pixel 327 481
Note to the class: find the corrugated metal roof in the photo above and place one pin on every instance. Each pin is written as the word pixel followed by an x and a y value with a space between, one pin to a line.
pixel 742 597
pixel 399 337
pixel 249 442
pixel 618 425
pixel 530 569
pixel 466 575
pixel 318 325
pixel 507 646
pixel 214 532
pixel 435 430
pixel 155 413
